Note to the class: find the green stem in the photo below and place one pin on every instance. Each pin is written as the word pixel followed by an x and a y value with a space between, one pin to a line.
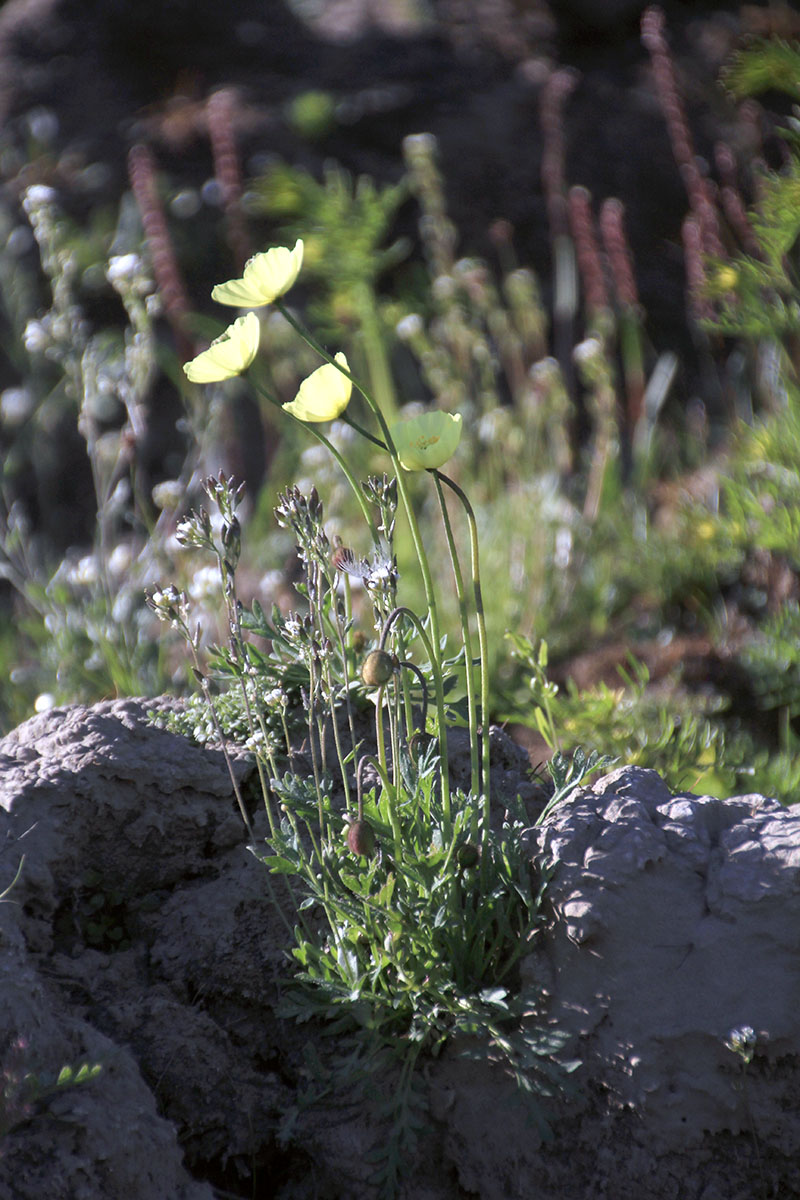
pixel 483 645
pixel 419 547
pixel 437 679
pixel 467 636
pixel 341 633
pixel 348 474
pixel 389 787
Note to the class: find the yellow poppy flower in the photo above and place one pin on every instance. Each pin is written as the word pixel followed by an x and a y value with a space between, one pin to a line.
pixel 266 276
pixel 324 395
pixel 427 441
pixel 229 354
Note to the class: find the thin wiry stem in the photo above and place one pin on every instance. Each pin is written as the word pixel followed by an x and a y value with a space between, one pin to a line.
pixel 467 636
pixel 483 645
pixel 416 536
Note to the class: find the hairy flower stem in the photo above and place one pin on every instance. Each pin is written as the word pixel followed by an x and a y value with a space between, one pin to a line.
pixel 467 636
pixel 402 610
pixel 390 786
pixel 340 754
pixel 483 644
pixel 416 536
pixel 237 642
pixel 223 741
pixel 311 704
pixel 340 632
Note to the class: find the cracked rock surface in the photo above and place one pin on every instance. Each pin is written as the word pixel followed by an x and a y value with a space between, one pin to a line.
pixel 141 935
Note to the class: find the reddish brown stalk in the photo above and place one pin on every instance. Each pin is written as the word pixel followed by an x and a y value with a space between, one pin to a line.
pixel 697 187
pixel 620 260
pixel 144 183
pixel 699 305
pixel 732 203
pixel 551 115
pixel 655 42
pixel 590 266
pixel 220 111
pixel 704 208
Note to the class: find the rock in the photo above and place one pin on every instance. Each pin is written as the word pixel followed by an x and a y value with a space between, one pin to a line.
pixel 118 821
pixel 140 935
pixel 673 930
pixel 675 924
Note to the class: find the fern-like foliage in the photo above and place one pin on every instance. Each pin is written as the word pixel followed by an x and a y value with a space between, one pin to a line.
pixel 765 65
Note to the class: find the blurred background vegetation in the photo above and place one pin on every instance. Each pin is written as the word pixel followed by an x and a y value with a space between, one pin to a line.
pixel 641 546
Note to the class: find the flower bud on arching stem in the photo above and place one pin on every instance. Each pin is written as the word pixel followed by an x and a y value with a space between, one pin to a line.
pixel 378 668
pixel 401 610
pixel 360 835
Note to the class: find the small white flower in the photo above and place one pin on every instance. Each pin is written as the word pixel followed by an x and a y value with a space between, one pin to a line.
pixel 120 559
pixel 85 571
pixel 37 195
pixel 204 584
pixel 122 607
pixel 419 144
pixel 36 337
pixel 563 549
pixel 409 327
pixel 292 625
pixel 16 404
pixel 167 494
pixel 184 527
pixel 123 268
pixel 443 287
pixel 271 581
pixel 588 351
pixel 315 456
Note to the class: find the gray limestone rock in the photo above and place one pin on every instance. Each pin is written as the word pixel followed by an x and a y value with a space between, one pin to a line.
pixel 141 935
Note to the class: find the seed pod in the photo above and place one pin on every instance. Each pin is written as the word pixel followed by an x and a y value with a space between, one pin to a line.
pixel 467 855
pixel 361 839
pixel 377 668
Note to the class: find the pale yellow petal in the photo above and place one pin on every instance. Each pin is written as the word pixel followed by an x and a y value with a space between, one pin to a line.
pixel 266 276
pixel 235 292
pixel 426 442
pixel 229 354
pixel 324 395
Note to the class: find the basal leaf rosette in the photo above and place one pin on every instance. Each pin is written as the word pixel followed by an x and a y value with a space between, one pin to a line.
pixel 324 395
pixel 266 276
pixel 229 354
pixel 426 442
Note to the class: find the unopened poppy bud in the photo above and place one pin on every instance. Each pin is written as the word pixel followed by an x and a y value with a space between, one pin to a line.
pixel 377 668
pixel 361 839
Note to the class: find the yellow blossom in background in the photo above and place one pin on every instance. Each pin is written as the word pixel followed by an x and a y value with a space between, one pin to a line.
pixel 427 441
pixel 266 276
pixel 727 277
pixel 229 354
pixel 324 395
